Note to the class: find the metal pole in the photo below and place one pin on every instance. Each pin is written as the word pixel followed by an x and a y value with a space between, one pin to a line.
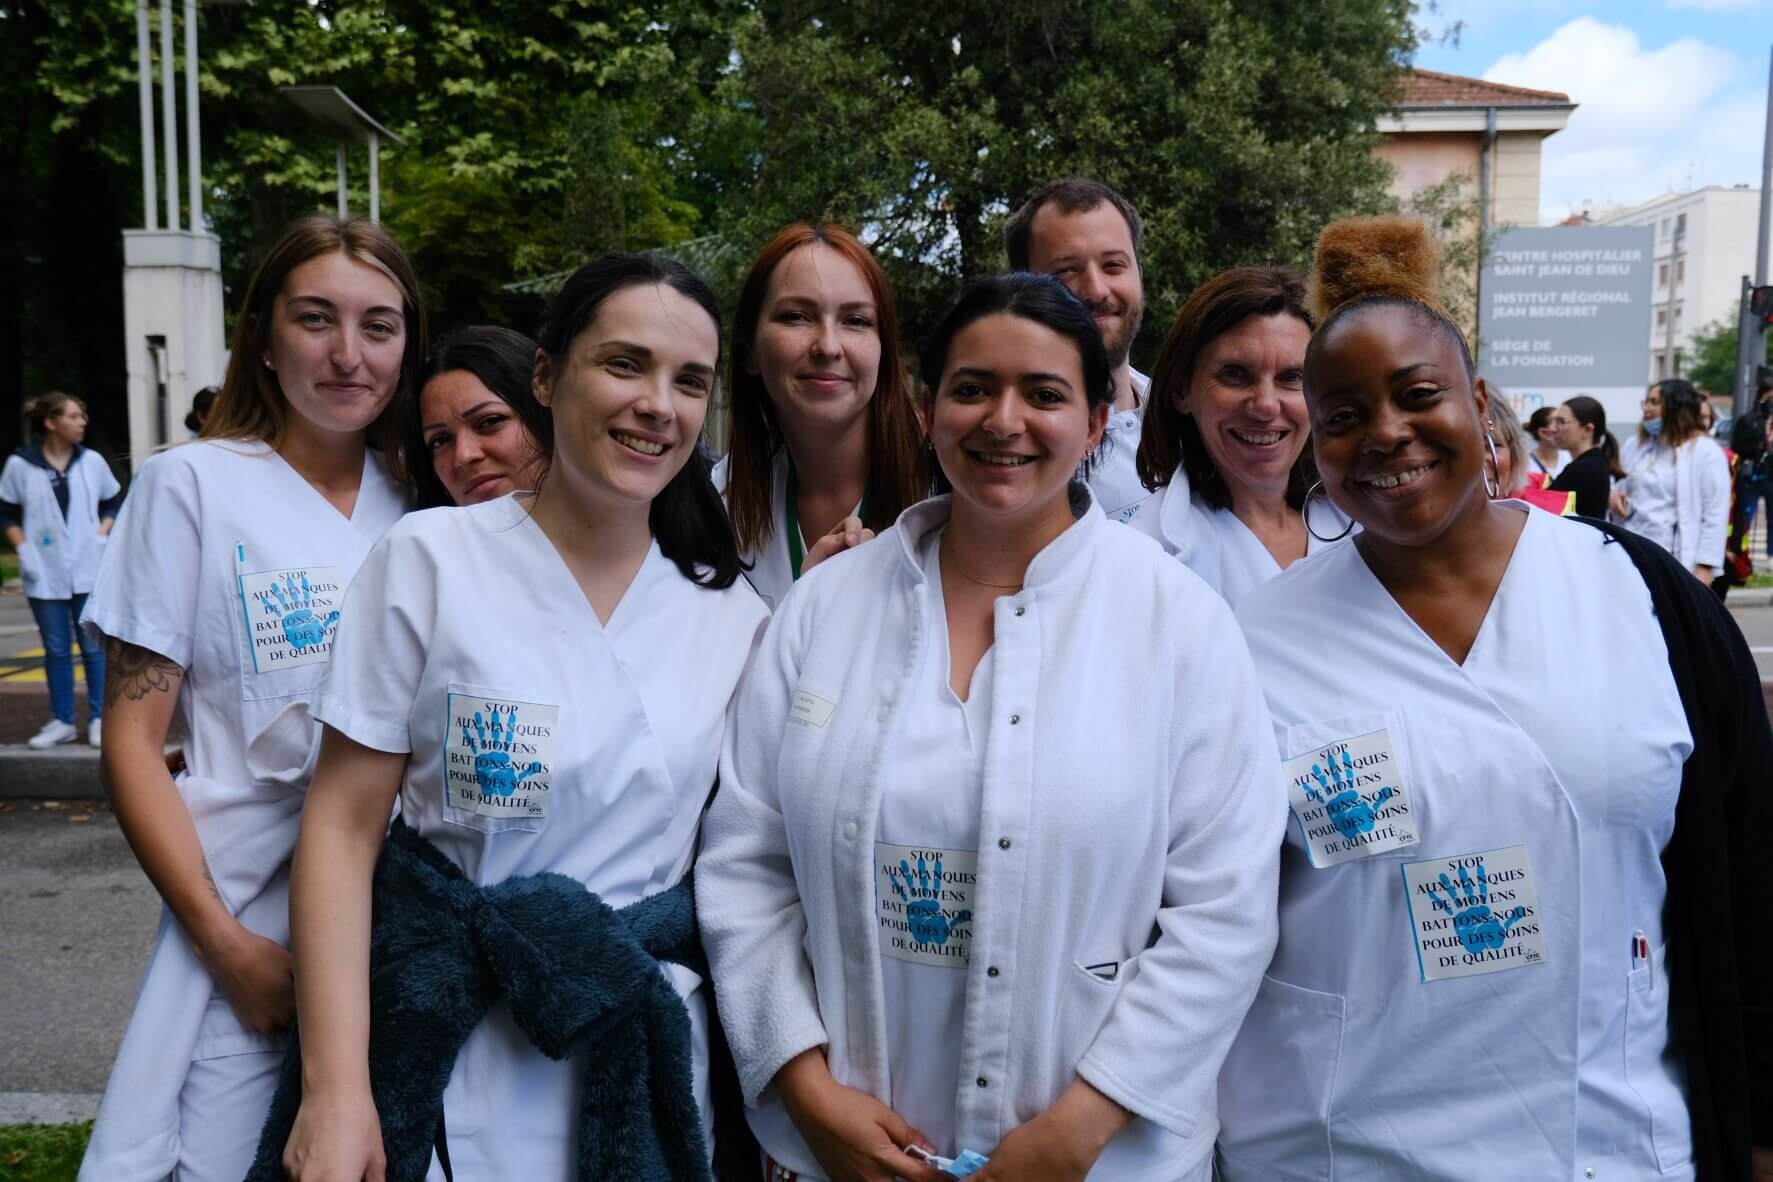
pixel 169 116
pixel 1751 330
pixel 343 211
pixel 145 92
pixel 194 147
pixel 375 179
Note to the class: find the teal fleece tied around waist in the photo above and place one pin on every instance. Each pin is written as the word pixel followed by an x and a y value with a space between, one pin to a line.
pixel 579 978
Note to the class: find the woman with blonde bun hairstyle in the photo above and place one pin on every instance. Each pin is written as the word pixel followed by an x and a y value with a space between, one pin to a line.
pixel 1518 940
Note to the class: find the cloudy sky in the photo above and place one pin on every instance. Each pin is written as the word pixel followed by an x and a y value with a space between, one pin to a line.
pixel 1672 93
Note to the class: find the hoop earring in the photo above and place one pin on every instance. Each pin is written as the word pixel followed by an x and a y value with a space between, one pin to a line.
pixel 1305 515
pixel 1492 485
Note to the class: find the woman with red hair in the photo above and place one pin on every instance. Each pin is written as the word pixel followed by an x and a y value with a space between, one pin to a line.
pixel 824 442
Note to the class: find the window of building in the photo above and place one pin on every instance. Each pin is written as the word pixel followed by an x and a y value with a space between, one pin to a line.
pixel 1662 275
pixel 1681 224
pixel 1661 366
pixel 1661 317
pixel 1663 233
pixel 1680 270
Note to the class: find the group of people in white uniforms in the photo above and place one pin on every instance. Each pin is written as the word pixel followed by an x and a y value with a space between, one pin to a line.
pixel 58 500
pixel 902 903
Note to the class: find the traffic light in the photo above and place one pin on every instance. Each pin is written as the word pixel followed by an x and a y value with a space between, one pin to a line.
pixel 1760 305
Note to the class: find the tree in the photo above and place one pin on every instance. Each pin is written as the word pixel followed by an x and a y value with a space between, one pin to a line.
pixel 1713 367
pixel 1238 129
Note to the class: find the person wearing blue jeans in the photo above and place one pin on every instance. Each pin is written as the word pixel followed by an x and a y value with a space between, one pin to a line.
pixel 57 502
pixel 59 622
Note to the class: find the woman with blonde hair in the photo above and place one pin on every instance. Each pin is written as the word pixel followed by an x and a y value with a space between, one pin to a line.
pixel 218 599
pixel 1515 942
pixel 824 446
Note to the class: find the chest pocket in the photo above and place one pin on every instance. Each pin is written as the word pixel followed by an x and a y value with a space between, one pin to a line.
pixel 1351 788
pixel 288 617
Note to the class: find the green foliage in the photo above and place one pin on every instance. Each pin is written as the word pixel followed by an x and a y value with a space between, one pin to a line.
pixel 42 1153
pixel 1713 366
pixel 1452 210
pixel 535 135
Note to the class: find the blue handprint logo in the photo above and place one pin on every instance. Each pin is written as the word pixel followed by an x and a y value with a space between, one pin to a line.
pixel 1479 929
pixel 494 772
pixel 922 896
pixel 292 604
pixel 1348 811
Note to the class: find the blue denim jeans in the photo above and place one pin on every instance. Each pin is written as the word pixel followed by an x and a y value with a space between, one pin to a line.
pixel 59 622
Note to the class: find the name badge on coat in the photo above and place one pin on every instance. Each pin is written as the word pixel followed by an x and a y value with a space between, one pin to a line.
pixel 1350 799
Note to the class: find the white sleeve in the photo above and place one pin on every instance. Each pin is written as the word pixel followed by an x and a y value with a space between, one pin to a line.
pixel 378 652
pixel 145 593
pixel 1713 481
pixel 747 900
pixel 12 481
pixel 104 480
pixel 1160 1050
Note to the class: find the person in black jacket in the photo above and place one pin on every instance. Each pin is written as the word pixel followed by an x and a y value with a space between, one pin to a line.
pixel 1580 427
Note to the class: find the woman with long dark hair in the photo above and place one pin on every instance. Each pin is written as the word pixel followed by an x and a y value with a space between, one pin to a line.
pixel 1580 428
pixel 219 598
pixel 478 432
pixel 541 680
pixel 1677 485
pixel 824 441
pixel 991 867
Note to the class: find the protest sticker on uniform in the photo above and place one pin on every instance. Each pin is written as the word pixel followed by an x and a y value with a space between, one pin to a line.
pixel 1350 800
pixel 810 710
pixel 1475 913
pixel 498 756
pixel 291 615
pixel 923 898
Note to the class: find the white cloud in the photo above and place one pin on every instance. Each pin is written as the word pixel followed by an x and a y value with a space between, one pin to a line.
pixel 1648 120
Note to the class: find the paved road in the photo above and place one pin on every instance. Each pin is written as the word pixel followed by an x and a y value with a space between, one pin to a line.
pixel 76 919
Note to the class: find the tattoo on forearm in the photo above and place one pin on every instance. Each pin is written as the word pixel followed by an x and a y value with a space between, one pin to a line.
pixel 134 672
pixel 210 879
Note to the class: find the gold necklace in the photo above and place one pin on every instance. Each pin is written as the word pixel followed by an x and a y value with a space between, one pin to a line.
pixel 961 571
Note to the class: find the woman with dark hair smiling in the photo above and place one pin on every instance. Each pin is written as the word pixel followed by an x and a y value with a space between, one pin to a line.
pixel 1515 942
pixel 479 432
pixel 1226 432
pixel 991 868
pixel 541 680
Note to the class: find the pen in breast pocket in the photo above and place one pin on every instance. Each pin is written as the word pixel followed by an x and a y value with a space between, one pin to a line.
pixel 1640 950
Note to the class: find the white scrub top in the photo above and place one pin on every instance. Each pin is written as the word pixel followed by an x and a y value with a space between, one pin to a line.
pixel 1458 991
pixel 540 740
pixel 1215 543
pixel 229 563
pixel 772 568
pixel 60 555
pixel 1114 476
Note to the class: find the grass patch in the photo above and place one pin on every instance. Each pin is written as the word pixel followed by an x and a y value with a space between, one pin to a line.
pixel 8 568
pixel 42 1153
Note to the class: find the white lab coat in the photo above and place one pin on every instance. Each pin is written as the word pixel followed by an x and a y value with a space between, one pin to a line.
pixel 1216 545
pixel 211 535
pixel 1130 821
pixel 463 616
pixel 60 555
pixel 1680 498
pixel 1561 738
pixel 1114 476
pixel 771 574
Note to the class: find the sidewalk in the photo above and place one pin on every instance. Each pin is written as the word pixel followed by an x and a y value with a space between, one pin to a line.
pixel 69 772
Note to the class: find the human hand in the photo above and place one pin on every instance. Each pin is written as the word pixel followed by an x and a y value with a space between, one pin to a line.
pixel 337 1137
pixel 855 1137
pixel 257 977
pixel 1062 1143
pixel 1619 503
pixel 845 535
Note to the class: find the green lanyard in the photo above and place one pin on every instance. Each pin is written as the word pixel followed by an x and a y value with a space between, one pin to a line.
pixel 796 544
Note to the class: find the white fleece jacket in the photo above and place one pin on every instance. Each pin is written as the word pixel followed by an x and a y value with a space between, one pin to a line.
pixel 1131 822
